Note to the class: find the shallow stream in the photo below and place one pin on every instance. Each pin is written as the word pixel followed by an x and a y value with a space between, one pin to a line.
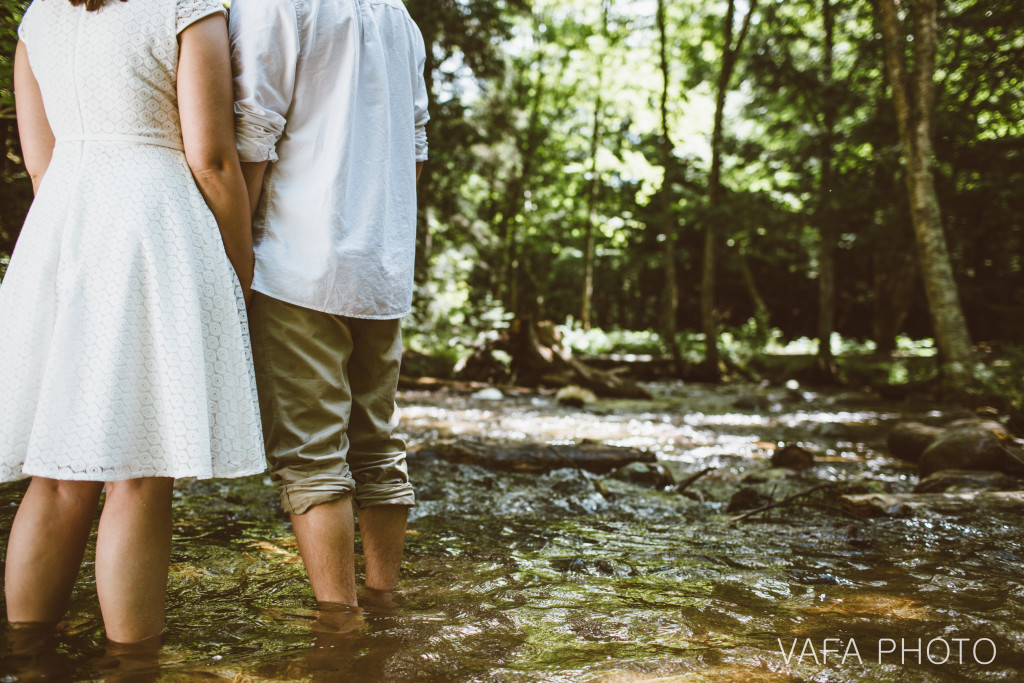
pixel 573 576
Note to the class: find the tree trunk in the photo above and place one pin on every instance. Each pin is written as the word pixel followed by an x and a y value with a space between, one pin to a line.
pixel 731 46
pixel 671 294
pixel 505 284
pixel 588 237
pixel 914 98
pixel 761 312
pixel 825 365
pixel 895 278
pixel 425 184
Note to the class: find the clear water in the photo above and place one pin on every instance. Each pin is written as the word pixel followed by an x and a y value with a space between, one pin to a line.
pixel 572 576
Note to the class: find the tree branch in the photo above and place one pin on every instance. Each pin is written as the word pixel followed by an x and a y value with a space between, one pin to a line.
pixel 785 501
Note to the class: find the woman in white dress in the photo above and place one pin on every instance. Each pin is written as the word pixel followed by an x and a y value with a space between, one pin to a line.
pixel 123 338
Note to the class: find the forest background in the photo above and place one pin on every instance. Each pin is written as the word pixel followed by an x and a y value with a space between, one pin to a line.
pixel 838 178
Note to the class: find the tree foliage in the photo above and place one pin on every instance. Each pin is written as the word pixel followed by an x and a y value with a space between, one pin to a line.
pixel 552 157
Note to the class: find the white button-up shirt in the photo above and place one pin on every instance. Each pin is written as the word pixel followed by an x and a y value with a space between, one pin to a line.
pixel 332 93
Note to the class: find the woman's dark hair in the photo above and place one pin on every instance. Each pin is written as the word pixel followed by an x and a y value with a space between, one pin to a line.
pixel 90 5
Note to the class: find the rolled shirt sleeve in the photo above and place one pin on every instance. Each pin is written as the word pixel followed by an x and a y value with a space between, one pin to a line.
pixel 420 115
pixel 264 53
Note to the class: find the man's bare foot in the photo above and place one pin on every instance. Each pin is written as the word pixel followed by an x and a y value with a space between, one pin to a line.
pixel 338 618
pixel 374 600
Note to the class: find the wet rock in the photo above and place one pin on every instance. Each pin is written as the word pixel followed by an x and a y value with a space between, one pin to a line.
pixel 489 394
pixel 872 504
pixel 908 440
pixel 747 498
pixel 752 402
pixel 535 457
pixel 862 485
pixel 768 474
pixel 645 474
pixel 792 456
pixel 578 565
pixel 960 481
pixel 575 396
pixel 971 445
pixel 900 504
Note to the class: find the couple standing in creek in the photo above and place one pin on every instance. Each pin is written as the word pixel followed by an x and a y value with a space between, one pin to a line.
pixel 211 279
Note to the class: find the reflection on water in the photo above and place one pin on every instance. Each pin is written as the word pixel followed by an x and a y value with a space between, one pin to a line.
pixel 571 576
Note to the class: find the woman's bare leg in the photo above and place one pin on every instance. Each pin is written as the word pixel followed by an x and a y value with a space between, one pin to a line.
pixel 133 549
pixel 44 552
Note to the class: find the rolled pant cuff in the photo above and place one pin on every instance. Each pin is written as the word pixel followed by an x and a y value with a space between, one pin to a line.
pixel 298 497
pixel 370 495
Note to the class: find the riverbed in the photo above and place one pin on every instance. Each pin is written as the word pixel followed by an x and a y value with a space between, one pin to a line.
pixel 576 576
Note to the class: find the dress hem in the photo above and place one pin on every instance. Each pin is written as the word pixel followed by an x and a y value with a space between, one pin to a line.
pixel 122 476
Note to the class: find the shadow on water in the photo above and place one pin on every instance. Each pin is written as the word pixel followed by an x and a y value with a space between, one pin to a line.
pixel 571 576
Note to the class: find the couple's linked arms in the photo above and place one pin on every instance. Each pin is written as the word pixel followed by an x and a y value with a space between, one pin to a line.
pixel 205 104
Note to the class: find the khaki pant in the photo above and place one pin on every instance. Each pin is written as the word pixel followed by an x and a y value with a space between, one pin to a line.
pixel 327 388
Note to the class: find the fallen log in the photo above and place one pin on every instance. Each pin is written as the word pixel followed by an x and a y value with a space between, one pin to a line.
pixel 538 358
pixel 456 386
pixel 893 504
pixel 535 457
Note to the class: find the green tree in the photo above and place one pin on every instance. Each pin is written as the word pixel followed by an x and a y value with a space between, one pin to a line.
pixel 15 189
pixel 733 38
pixel 913 94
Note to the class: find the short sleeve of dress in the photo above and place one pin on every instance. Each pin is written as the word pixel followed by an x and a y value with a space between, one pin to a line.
pixel 191 11
pixel 23 26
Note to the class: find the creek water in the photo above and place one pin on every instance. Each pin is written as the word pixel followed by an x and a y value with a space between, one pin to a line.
pixel 573 576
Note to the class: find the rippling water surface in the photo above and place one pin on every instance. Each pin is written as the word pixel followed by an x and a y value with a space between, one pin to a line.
pixel 572 576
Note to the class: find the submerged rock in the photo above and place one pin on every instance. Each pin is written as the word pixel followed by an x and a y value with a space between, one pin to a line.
pixel 971 445
pixel 645 474
pixel 908 440
pixel 794 457
pixel 960 481
pixel 747 498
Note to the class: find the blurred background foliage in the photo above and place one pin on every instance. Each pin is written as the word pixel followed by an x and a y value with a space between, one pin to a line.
pixel 580 136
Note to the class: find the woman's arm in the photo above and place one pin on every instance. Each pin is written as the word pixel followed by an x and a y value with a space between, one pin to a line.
pixel 253 172
pixel 36 137
pixel 208 130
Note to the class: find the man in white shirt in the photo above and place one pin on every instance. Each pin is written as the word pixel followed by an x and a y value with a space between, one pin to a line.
pixel 330 108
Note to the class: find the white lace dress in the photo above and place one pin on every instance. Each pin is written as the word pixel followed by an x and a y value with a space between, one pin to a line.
pixel 123 339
